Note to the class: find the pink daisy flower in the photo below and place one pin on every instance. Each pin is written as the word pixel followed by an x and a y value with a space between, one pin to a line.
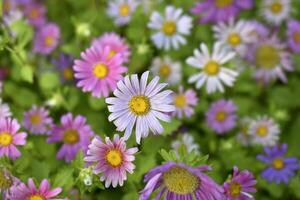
pixel 98 72
pixel 184 102
pixel 31 192
pixel 35 13
pixel 112 159
pixel 10 138
pixel 74 133
pixel 116 43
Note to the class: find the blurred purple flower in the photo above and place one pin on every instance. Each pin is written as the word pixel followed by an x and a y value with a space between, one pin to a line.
pixel 293 35
pixel 64 64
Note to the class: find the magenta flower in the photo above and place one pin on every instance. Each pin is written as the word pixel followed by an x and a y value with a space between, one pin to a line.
pixel 37 120
pixel 213 11
pixel 112 159
pixel 35 13
pixel 184 102
pixel 46 39
pixel 240 185
pixel 98 72
pixel 75 135
pixel 10 138
pixel 30 192
pixel 116 44
pixel 177 181
pixel 221 116
pixel 293 35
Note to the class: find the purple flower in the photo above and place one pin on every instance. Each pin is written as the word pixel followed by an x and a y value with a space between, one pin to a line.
pixel 35 13
pixel 177 181
pixel 74 133
pixel 280 169
pixel 46 38
pixel 221 116
pixel 213 11
pixel 64 64
pixel 7 183
pixel 240 185
pixel 37 120
pixel 293 35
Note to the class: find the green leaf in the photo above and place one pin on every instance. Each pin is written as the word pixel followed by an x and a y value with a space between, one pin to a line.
pixel 64 178
pixel 27 73
pixel 49 80
pixel 24 33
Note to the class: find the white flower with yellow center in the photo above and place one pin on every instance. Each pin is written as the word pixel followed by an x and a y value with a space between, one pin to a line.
pixel 276 11
pixel 213 72
pixel 171 28
pixel 166 69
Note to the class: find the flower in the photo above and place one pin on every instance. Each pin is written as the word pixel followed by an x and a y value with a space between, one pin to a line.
pixel 280 168
pixel 30 192
pixel 35 13
pixel 121 11
pixel 188 141
pixel 64 64
pixel 264 131
pixel 179 181
pixel 221 116
pixel 184 102
pixel 171 28
pixel 10 138
pixel 74 133
pixel 7 183
pixel 97 72
pixel 166 69
pixel 243 135
pixel 4 110
pixel 37 120
pixel 137 103
pixel 276 11
pixel 240 185
pixel 212 68
pixel 46 38
pixel 116 44
pixel 293 35
pixel 220 10
pixel 112 159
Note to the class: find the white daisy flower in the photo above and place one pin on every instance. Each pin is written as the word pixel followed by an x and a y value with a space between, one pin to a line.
pixel 171 28
pixel 264 131
pixel 276 11
pixel 121 10
pixel 4 110
pixel 235 35
pixel 213 72
pixel 188 141
pixel 168 70
pixel 141 105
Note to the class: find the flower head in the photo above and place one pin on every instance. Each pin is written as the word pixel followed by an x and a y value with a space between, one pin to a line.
pixel 7 183
pixel 4 109
pixel 276 11
pixel 188 141
pixel 35 13
pixel 293 35
pixel 64 64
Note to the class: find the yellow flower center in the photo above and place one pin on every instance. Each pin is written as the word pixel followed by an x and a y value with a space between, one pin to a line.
pixel 180 101
pixel 211 68
pixel 235 189
pixel 114 157
pixel 71 136
pixel 262 131
pixel 234 39
pixel 68 73
pixel 221 116
pixel 139 105
pixel 278 163
pixel 267 56
pixel 169 28
pixel 5 138
pixel 124 10
pixel 164 70
pixel 49 41
pixel 180 181
pixel 36 197
pixel 100 71
pixel 296 37
pixel 223 3
pixel 35 119
pixel 111 54
pixel 276 7
pixel 34 13
pixel 5 181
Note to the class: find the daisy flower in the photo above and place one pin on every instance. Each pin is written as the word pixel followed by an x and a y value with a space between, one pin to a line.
pixel 64 64
pixel 141 105
pixel 184 102
pixel 31 192
pixel 166 69
pixel 46 38
pixel 7 183
pixel 264 131
pixel 75 135
pixel 97 72
pixel 116 44
pixel 293 35
pixel 221 116
pixel 177 181
pixel 4 110
pixel 121 11
pixel 240 186
pixel 112 159
pixel 213 71
pixel 37 120
pixel 214 11
pixel 10 138
pixel 35 13
pixel 171 28
pixel 243 135
pixel 188 141
pixel 280 168
pixel 276 11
